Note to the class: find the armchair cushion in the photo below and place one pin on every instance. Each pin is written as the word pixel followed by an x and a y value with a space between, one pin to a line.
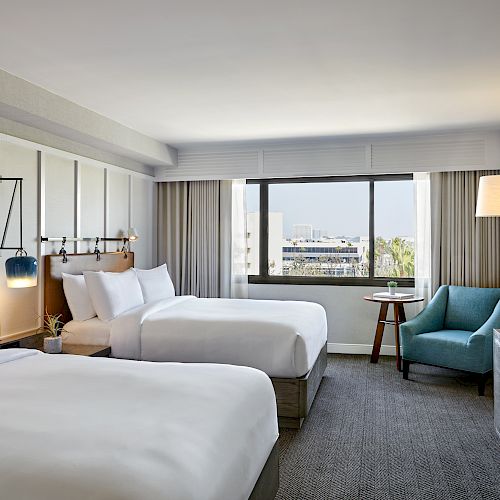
pixel 469 308
pixel 448 348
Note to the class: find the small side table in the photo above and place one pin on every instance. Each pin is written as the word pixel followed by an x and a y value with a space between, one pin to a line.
pixel 399 317
pixel 95 351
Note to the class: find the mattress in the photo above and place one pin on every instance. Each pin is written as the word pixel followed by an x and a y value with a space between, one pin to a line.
pixel 100 428
pixel 281 338
pixel 90 332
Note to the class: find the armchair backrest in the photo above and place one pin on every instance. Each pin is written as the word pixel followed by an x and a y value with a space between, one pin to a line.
pixel 469 308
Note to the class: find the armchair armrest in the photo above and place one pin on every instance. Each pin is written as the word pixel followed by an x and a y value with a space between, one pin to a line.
pixel 482 340
pixel 431 319
pixel 487 329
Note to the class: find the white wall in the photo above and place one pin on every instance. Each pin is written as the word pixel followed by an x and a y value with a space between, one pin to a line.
pixel 66 195
pixel 351 320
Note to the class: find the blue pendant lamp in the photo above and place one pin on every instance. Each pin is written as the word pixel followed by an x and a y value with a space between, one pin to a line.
pixel 21 270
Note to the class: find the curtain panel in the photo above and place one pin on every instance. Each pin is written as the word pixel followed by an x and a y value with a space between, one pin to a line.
pixel 465 249
pixel 189 236
pixel 202 237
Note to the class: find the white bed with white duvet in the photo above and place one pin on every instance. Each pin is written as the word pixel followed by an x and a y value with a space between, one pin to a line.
pixel 281 338
pixel 80 428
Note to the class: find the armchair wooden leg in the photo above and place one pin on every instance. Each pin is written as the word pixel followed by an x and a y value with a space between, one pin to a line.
pixel 406 368
pixel 483 377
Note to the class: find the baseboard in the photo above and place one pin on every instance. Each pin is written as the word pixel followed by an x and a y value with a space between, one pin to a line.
pixel 334 347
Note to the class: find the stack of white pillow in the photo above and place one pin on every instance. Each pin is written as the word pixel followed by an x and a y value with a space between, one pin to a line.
pixel 107 295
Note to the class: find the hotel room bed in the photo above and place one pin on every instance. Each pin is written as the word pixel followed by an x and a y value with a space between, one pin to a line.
pixel 79 428
pixel 281 338
pixel 285 339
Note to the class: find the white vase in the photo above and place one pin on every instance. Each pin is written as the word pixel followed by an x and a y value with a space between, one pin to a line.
pixel 52 345
pixel 392 290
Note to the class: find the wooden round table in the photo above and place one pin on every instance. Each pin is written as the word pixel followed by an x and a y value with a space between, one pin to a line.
pixel 399 317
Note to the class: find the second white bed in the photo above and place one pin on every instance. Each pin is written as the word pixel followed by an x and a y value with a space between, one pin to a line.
pixel 281 338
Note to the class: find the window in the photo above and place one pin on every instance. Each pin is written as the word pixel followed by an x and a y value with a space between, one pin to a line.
pixel 356 230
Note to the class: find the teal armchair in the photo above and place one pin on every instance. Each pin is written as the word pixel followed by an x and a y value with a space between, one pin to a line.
pixel 455 330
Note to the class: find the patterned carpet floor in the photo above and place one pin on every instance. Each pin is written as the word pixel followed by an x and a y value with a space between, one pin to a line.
pixel 373 435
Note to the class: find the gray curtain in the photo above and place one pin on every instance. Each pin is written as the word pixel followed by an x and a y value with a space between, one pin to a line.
pixel 193 237
pixel 465 249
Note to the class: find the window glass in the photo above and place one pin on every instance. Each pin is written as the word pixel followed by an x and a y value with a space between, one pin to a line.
pixel 319 229
pixel 394 229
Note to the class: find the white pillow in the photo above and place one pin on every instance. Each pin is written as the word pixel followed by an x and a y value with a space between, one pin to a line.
pixel 77 297
pixel 113 293
pixel 156 283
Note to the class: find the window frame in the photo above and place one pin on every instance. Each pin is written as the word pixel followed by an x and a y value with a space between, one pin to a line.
pixel 371 280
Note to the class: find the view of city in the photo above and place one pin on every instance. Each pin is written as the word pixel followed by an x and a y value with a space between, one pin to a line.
pixel 304 249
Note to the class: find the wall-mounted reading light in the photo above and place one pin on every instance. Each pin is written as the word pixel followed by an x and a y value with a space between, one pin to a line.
pixel 133 234
pixel 21 270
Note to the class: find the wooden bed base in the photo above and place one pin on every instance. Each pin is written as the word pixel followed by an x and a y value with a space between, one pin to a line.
pixel 267 485
pixel 294 396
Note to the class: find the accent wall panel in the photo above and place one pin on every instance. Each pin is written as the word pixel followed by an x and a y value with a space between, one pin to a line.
pixel 18 307
pixel 59 200
pixel 141 219
pixel 92 207
pixel 118 206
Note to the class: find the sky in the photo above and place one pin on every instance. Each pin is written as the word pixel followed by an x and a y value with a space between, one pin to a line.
pixel 341 208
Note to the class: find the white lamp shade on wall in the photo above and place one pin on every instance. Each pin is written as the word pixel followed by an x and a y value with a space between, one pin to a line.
pixel 488 196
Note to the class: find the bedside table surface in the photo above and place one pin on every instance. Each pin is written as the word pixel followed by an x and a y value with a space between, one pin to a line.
pixel 86 350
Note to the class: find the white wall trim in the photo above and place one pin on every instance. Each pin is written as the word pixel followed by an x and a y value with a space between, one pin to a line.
pixel 40 230
pixel 334 347
pixel 70 156
pixel 399 153
pixel 26 103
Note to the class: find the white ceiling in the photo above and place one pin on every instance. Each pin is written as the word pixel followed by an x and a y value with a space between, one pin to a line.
pixel 219 70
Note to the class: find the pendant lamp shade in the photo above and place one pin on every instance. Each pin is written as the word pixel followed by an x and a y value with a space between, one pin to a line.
pixel 21 271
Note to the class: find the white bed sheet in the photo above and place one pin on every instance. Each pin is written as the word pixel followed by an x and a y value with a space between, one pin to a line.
pixel 97 428
pixel 89 332
pixel 281 338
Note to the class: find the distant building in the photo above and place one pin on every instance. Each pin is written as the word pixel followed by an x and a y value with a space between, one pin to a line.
pixel 302 232
pixel 319 233
pixel 328 257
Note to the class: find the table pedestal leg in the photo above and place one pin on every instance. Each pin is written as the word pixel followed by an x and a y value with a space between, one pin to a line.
pixel 399 317
pixel 396 335
pixel 379 332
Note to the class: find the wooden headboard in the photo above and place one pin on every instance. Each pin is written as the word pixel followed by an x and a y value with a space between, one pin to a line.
pixel 55 301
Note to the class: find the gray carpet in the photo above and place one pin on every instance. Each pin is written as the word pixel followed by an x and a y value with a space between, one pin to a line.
pixel 373 435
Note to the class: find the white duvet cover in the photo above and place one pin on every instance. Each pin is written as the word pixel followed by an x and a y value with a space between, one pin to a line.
pixel 281 338
pixel 92 428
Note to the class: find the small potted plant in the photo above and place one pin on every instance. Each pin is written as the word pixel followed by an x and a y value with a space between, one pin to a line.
pixel 54 327
pixel 392 285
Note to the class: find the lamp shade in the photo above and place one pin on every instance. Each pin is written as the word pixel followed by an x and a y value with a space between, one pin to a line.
pixel 21 271
pixel 488 196
pixel 133 234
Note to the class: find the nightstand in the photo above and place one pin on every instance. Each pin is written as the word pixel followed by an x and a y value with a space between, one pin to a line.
pixel 95 351
pixel 26 341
